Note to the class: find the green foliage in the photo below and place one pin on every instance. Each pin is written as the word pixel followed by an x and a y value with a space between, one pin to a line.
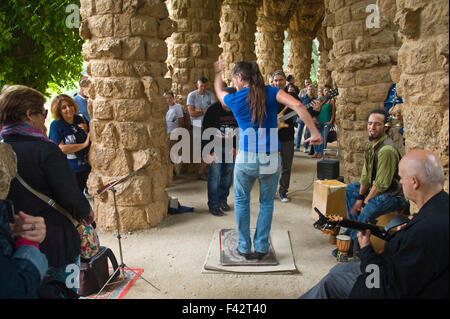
pixel 315 66
pixel 36 46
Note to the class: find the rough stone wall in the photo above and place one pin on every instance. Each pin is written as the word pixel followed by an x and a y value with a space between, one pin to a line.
pixel 303 28
pixel 237 33
pixel 325 45
pixel 125 51
pixel 424 80
pixel 360 61
pixel 194 44
pixel 272 20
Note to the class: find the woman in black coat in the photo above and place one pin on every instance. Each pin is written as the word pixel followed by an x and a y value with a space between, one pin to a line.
pixel 45 168
pixel 22 265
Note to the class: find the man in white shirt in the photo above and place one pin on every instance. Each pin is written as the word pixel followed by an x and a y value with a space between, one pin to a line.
pixel 198 102
pixel 174 116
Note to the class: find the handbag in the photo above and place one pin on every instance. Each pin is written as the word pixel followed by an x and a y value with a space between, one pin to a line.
pixel 88 236
pixel 94 272
pixel 332 135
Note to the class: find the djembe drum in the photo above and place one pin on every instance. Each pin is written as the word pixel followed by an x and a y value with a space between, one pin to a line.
pixel 333 233
pixel 343 246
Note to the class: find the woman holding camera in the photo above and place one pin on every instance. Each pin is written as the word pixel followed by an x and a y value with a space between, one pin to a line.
pixel 71 133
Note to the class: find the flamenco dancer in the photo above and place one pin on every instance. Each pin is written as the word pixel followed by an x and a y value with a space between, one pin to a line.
pixel 254 106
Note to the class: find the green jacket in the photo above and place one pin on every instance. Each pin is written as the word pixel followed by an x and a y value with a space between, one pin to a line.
pixel 381 167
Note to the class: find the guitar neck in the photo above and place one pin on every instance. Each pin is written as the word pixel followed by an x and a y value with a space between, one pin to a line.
pixel 308 107
pixel 320 99
pixel 356 225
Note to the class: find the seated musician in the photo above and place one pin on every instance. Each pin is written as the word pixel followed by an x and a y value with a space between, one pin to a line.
pixel 414 263
pixel 379 191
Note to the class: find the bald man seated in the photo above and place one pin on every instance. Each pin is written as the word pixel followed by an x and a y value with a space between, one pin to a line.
pixel 414 263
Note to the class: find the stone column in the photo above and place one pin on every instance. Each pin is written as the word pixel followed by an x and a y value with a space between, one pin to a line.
pixel 272 20
pixel 125 51
pixel 424 80
pixel 303 28
pixel 363 53
pixel 194 44
pixel 300 56
pixel 325 45
pixel 237 33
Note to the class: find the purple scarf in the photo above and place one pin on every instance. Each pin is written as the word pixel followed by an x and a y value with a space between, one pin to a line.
pixel 23 129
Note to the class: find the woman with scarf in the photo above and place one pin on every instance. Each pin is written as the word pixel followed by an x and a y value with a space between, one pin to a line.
pixel 254 106
pixel 45 168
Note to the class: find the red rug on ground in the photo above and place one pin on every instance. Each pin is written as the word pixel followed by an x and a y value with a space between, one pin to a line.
pixel 120 286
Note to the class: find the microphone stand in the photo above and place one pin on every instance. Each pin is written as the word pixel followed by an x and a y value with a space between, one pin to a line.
pixel 122 265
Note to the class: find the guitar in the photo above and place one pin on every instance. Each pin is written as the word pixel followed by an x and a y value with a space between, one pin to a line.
pixel 325 223
pixel 309 107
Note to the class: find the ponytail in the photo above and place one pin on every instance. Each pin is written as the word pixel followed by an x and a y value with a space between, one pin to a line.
pixel 256 98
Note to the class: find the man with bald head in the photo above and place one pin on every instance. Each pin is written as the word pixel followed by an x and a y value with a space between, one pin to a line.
pixel 414 263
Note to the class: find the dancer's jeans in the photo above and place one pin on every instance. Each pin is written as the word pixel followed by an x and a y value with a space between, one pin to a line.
pixel 249 167
pixel 380 205
pixel 301 126
pixel 220 178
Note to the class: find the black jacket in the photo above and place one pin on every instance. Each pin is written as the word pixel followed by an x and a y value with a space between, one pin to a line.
pixel 225 123
pixel 414 263
pixel 287 133
pixel 45 168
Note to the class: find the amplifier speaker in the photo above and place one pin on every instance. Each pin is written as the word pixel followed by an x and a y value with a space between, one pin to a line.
pixel 327 169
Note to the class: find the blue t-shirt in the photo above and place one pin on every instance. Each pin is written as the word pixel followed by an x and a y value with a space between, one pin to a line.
pixel 60 130
pixel 252 138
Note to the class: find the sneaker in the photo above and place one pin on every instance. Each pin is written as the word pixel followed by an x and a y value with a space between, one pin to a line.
pixel 216 211
pixel 305 150
pixel 297 149
pixel 284 198
pixel 225 207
